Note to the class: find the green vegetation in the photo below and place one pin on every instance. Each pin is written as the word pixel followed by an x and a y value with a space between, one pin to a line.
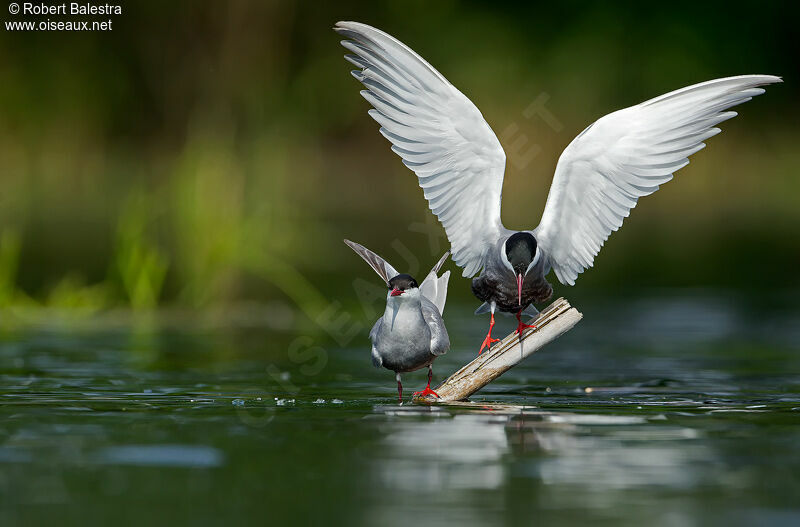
pixel 139 263
pixel 220 156
pixel 9 261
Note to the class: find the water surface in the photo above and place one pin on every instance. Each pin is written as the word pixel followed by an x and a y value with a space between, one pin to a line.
pixel 671 410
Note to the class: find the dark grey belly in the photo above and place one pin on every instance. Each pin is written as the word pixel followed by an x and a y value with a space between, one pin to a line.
pixel 503 291
pixel 406 347
pixel 407 363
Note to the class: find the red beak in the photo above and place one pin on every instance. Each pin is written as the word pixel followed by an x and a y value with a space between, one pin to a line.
pixel 396 292
pixel 519 289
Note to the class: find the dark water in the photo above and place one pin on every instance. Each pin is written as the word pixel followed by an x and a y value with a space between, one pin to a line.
pixel 669 410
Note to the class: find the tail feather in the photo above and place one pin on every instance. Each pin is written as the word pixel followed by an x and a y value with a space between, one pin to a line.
pixel 483 308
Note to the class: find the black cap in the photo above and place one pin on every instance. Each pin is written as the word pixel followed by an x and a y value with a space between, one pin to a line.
pixel 403 282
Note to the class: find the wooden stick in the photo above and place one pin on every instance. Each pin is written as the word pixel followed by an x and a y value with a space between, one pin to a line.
pixel 558 318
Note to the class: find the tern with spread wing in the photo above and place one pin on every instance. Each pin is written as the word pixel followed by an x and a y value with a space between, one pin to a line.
pixel 411 332
pixel 444 139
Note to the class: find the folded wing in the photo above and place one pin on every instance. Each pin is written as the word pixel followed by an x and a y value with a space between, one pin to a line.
pixel 624 156
pixel 438 133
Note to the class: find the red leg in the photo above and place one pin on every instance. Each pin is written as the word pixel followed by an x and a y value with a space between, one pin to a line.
pixel 427 391
pixel 488 341
pixel 522 326
pixel 399 390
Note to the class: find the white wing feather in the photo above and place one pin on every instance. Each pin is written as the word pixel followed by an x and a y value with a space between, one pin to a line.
pixel 624 156
pixel 439 134
pixel 434 287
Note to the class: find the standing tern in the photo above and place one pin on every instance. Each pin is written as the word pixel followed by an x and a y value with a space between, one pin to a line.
pixel 444 139
pixel 411 332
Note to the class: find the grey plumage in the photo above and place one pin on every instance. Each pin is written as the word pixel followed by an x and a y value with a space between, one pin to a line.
pixel 411 333
pixel 408 336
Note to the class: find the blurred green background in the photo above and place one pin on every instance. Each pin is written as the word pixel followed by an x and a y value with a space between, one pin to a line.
pixel 209 154
pixel 183 334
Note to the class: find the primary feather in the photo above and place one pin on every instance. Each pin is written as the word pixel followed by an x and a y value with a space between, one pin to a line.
pixel 378 264
pixel 439 134
pixel 624 156
pixel 434 287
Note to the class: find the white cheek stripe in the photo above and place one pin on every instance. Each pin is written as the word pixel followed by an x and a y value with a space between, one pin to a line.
pixel 534 262
pixel 504 258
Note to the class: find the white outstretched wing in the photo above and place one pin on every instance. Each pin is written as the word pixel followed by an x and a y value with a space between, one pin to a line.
pixel 625 155
pixel 434 287
pixel 440 135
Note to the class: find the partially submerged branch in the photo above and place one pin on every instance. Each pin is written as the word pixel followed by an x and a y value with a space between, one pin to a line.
pixel 554 321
